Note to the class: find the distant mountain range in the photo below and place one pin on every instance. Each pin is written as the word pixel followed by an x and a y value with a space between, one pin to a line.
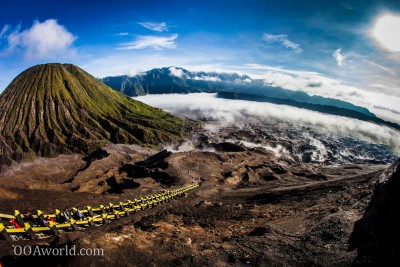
pixel 56 109
pixel 178 80
pixel 175 80
pixel 170 80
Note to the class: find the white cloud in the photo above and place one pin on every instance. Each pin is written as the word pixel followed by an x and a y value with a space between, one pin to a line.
pixel 247 80
pixel 14 40
pixel 123 34
pixel 4 30
pixel 283 40
pixel 235 112
pixel 376 65
pixel 339 57
pixel 207 78
pixel 154 26
pixel 43 40
pixel 150 41
pixel 176 72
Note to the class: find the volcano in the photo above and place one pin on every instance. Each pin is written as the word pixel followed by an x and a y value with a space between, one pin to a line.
pixel 54 109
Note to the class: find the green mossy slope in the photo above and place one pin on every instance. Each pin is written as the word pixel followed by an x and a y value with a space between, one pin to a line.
pixel 57 109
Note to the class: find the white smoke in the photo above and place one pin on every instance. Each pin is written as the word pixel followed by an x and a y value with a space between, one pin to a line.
pixel 277 150
pixel 321 153
pixel 187 146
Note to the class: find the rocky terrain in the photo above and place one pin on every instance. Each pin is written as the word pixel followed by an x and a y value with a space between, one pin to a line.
pixel 57 109
pixel 295 143
pixel 252 208
pixel 376 235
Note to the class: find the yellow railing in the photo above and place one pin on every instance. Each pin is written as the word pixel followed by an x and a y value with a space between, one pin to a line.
pixel 50 224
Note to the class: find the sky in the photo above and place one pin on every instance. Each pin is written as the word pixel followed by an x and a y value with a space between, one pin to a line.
pixel 345 49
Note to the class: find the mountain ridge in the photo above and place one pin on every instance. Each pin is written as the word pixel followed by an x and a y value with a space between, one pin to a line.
pixel 178 80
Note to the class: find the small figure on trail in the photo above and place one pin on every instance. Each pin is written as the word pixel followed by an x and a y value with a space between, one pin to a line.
pixel 14 222
pixel 79 214
pixel 43 221
pixel 66 214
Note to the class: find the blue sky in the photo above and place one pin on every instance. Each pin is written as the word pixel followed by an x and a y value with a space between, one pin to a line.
pixel 287 43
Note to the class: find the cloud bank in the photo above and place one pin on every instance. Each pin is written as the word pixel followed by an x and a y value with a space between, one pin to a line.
pixel 315 83
pixel 283 40
pixel 237 112
pixel 44 40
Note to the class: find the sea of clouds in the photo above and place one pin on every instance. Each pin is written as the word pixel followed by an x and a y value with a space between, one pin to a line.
pixel 239 112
